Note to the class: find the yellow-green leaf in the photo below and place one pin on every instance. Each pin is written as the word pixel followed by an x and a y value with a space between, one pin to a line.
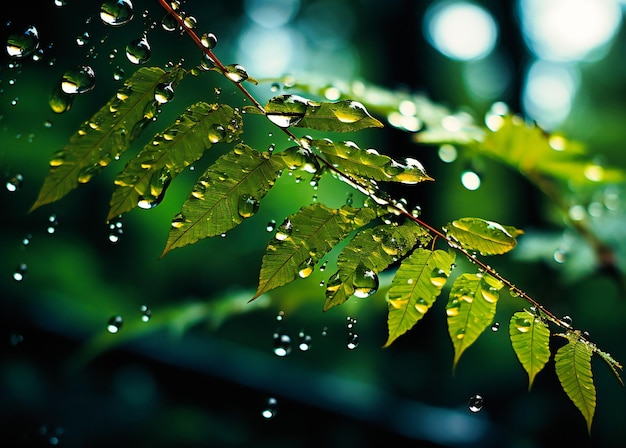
pixel 486 237
pixel 530 337
pixel 303 238
pixel 106 135
pixel 470 309
pixel 228 192
pixel 144 179
pixel 370 164
pixel 371 251
pixel 415 287
pixel 573 368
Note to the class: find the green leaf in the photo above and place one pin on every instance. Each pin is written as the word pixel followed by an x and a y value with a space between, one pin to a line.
pixel 486 237
pixel 529 149
pixel 368 163
pixel 573 368
pixel 170 152
pixel 305 237
pixel 530 337
pixel 228 192
pixel 106 135
pixel 470 309
pixel 415 287
pixel 370 251
pixel 342 116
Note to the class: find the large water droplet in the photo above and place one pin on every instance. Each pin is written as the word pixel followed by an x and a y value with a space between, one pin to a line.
pixel 475 403
pixel 247 206
pixel 14 183
pixel 282 344
pixel 350 112
pixel 208 40
pixel 365 282
pixel 284 230
pixel 286 110
pixel 78 80
pixel 522 324
pixel 236 73
pixel 164 93
pixel 21 45
pixel 159 181
pixel 270 408
pixel 438 278
pixel 115 324
pixel 116 12
pixel 306 268
pixel 20 272
pixel 138 51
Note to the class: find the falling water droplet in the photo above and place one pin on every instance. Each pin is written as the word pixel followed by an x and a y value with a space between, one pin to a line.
pixel 52 223
pixel 118 73
pixel 271 225
pixel 115 230
pixel 26 240
pixel 138 51
pixel 115 324
pixel 78 80
pixel 116 12
pixel 146 313
pixel 353 341
pixel 21 45
pixel 365 282
pixel 304 341
pixel 495 326
pixel 280 316
pixel 14 183
pixel 269 411
pixel 282 344
pixel 20 272
pixel 475 403
pixel 470 180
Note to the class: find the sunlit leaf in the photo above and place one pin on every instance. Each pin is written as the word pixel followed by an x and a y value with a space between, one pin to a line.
pixel 415 287
pixel 170 152
pixel 370 164
pixel 371 250
pixel 486 237
pixel 106 135
pixel 294 110
pixel 228 192
pixel 530 337
pixel 305 237
pixel 470 309
pixel 573 367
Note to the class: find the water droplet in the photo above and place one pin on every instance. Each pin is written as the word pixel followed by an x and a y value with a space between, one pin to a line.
pixel 280 316
pixel 452 309
pixel 208 40
pixel 164 93
pixel 59 100
pixel 271 225
pixel 560 255
pixel 416 211
pixel 306 268
pixel 14 183
pixel 116 12
pixel 82 39
pixel 146 313
pixel 286 110
pixel 470 180
pixel 304 341
pixel 78 80
pixel 21 45
pixel 169 23
pixel 270 408
pixel 282 344
pixel 438 278
pixel 159 182
pixel 475 403
pixel 216 133
pixel 118 73
pixel 567 321
pixel 323 266
pixel 333 285
pixel 353 341
pixel 60 3
pixel 495 326
pixel 114 325
pixel 247 206
pixel 284 230
pixel 52 223
pixel 236 73
pixel 26 240
pixel 115 230
pixel 365 282
pixel 20 272
pixel 522 324
pixel 138 51
pixel 178 221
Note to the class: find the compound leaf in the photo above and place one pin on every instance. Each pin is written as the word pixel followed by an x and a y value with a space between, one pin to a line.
pixel 486 237
pixel 371 251
pixel 530 337
pixel 144 179
pixel 303 239
pixel 370 164
pixel 228 192
pixel 107 134
pixel 415 287
pixel 470 309
pixel 573 368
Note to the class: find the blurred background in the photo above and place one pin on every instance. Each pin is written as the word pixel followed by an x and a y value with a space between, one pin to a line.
pixel 104 343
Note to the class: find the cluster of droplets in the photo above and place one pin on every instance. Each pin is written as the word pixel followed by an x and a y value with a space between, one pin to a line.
pixel 116 229
pixel 353 337
pixel 282 344
pixel 115 323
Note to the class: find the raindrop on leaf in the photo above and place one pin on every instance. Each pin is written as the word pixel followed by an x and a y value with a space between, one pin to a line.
pixel 365 282
pixel 284 230
pixel 236 73
pixel 306 268
pixel 247 206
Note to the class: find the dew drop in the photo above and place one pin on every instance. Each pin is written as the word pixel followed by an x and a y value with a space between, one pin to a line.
pixel 21 45
pixel 438 278
pixel 351 112
pixel 169 23
pixel 271 225
pixel 365 282
pixel 247 206
pixel 164 93
pixel 208 40
pixel 138 51
pixel 475 403
pixel 236 73
pixel 304 341
pixel 20 272
pixel 78 80
pixel 284 230
pixel 146 313
pixel 522 324
pixel 333 285
pixel 14 183
pixel 567 321
pixel 269 411
pixel 306 268
pixel 216 133
pixel 116 12
pixel 115 324
pixel 282 344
